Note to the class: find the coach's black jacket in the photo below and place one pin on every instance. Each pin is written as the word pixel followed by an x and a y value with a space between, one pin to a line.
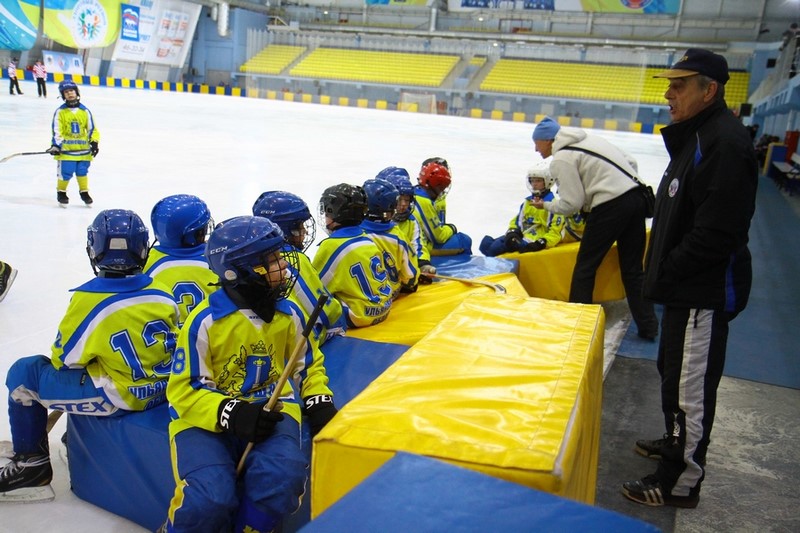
pixel 698 256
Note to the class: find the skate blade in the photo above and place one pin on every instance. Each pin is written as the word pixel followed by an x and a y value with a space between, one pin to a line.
pixel 28 495
pixel 63 206
pixel 6 449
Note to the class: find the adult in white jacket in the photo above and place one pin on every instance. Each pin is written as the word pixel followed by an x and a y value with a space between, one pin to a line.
pixel 597 178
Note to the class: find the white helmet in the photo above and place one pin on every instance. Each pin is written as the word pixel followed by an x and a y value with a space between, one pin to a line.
pixel 540 170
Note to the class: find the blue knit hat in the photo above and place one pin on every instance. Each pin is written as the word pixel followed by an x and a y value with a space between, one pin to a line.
pixel 546 130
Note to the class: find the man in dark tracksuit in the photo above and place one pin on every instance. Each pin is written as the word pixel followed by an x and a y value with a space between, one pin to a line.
pixel 698 266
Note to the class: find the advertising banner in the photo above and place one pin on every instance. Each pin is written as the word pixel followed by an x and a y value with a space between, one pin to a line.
pixel 156 31
pixel 82 23
pixel 644 7
pixel 18 24
pixel 62 62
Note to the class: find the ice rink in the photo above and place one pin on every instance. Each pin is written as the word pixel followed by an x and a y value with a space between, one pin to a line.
pixel 227 151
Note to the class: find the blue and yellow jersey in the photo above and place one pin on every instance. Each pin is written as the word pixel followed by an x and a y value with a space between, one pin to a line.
pixel 73 130
pixel 409 228
pixel 430 216
pixel 226 352
pixel 398 260
pixel 122 331
pixel 538 223
pixel 574 228
pixel 306 291
pixel 351 267
pixel 185 272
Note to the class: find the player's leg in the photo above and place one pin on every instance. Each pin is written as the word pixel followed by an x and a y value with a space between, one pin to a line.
pixel 65 171
pixel 82 173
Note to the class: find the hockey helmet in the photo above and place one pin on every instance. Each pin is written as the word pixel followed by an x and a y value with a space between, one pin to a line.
pixel 290 213
pixel 540 170
pixel 181 221
pixel 345 204
pixel 117 241
pixel 69 85
pixel 436 177
pixel 382 199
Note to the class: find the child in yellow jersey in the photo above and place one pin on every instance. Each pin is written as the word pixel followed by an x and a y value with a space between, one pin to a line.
pixel 181 223
pixel 112 353
pixel 532 229
pixel 350 265
pixel 291 214
pixel 231 353
pixel 441 238
pixel 75 142
pixel 398 259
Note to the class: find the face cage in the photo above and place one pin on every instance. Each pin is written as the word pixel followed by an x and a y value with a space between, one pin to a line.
pixel 307 229
pixel 443 193
pixel 288 274
pixel 204 232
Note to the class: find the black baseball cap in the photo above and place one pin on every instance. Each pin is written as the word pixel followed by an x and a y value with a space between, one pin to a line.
pixel 698 61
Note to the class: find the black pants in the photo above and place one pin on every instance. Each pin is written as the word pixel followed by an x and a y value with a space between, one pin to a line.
pixel 691 357
pixel 41 86
pixel 12 82
pixel 621 220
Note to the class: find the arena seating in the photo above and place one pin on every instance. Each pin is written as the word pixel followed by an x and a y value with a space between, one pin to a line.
pixel 272 59
pixel 587 81
pixel 425 70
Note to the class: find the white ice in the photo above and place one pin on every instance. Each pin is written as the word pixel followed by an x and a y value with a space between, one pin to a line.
pixel 226 150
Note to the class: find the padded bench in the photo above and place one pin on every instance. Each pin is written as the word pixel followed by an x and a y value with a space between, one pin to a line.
pixel 788 175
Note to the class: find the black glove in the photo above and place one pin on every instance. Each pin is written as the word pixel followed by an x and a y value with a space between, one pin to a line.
pixel 95 148
pixel 535 246
pixel 453 227
pixel 53 150
pixel 513 239
pixel 248 421
pixel 319 410
pixel 425 267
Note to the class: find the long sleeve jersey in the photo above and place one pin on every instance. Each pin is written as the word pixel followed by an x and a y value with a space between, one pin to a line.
pixel 398 260
pixel 351 267
pixel 122 331
pixel 538 223
pixel 306 291
pixel 185 272
pixel 431 219
pixel 225 352
pixel 73 131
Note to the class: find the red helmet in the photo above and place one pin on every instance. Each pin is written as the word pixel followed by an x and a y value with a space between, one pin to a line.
pixel 435 176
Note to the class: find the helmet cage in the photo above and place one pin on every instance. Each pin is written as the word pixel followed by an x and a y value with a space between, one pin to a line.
pixel 291 214
pixel 345 204
pixel 435 177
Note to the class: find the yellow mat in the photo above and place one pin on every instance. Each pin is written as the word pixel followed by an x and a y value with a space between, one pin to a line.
pixel 510 386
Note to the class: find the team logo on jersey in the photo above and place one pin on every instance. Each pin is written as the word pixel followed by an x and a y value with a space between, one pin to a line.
pixel 89 23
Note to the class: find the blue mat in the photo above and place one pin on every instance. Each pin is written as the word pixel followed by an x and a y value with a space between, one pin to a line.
pixel 763 339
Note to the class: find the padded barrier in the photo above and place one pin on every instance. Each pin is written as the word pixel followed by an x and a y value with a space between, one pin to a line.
pixel 548 273
pixel 489 388
pixel 435 496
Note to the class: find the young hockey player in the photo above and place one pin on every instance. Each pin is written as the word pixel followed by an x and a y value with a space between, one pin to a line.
pixel 532 229
pixel 231 353
pixel 398 259
pixel 112 353
pixel 291 214
pixel 441 238
pixel 181 223
pixel 350 265
pixel 74 144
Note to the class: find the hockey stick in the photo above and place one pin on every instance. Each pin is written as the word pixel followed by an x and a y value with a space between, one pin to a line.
pixel 6 158
pixel 498 289
pixel 287 370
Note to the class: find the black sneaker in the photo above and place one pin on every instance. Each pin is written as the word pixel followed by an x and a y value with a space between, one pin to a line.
pixel 23 471
pixel 649 492
pixel 7 275
pixel 652 448
pixel 62 198
pixel 86 198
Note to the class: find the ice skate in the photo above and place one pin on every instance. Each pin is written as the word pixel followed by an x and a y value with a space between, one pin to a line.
pixel 26 478
pixel 7 276
pixel 86 198
pixel 63 199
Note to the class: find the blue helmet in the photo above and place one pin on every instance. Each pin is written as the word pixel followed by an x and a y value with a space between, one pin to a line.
pixel 345 204
pixel 381 199
pixel 238 252
pixel 392 171
pixel 69 85
pixel 290 213
pixel 117 241
pixel 181 221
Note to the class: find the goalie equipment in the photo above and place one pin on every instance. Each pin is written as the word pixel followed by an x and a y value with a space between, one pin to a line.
pixel 291 214
pixel 382 199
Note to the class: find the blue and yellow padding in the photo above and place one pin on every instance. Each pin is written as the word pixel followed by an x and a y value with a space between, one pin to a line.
pixel 490 388
pixel 414 493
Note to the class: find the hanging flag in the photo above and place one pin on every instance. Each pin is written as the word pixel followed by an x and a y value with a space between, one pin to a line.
pixel 82 23
pixel 18 24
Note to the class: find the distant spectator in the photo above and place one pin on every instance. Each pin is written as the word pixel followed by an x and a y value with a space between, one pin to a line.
pixel 789 35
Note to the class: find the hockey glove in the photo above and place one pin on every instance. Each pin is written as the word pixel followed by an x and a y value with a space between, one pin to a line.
pixel 319 410
pixel 248 421
pixel 513 240
pixel 425 267
pixel 53 150
pixel 535 246
pixel 95 148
